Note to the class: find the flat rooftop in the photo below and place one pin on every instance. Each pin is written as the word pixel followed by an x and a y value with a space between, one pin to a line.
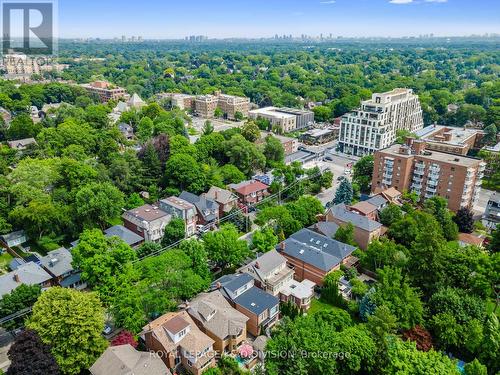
pixel 272 111
pixel 434 134
pixel 434 156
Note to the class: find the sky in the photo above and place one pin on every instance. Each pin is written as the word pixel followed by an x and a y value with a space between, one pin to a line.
pixel 265 18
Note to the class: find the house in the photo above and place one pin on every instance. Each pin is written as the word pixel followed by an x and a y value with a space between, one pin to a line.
pixel 365 229
pixel 345 286
pixel 127 130
pixel 179 208
pixel 491 216
pixel 207 209
pixel 469 239
pixel 58 264
pixel 126 235
pixel 227 200
pixel 147 221
pixel 179 342
pixel 5 115
pixel 313 255
pixel 125 360
pixel 272 274
pixel 29 274
pixel 21 144
pixel 250 192
pixel 16 238
pixel 260 307
pixel 219 320
pixel 366 209
pixel 392 195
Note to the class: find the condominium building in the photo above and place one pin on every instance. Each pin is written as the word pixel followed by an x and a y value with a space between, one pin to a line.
pixel 181 101
pixel 205 105
pixel 373 126
pixel 285 119
pixel 106 91
pixel 458 141
pixel 411 167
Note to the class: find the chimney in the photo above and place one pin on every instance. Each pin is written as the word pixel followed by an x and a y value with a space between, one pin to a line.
pixel 282 246
pixel 409 141
pixel 418 147
pixel 16 278
pixel 216 191
pixel 257 265
pixel 218 285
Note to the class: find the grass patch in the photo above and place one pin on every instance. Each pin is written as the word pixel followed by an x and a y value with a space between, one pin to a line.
pixel 318 305
pixel 5 259
pixel 116 221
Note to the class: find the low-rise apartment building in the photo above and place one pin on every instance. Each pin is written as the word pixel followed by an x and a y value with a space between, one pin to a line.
pixel 491 217
pixel 453 140
pixel 373 126
pixel 250 192
pixel 105 91
pixel 205 105
pixel 147 221
pixel 411 167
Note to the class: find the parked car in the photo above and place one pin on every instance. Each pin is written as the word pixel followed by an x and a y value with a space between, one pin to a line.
pixel 202 229
pixel 327 158
pixel 107 330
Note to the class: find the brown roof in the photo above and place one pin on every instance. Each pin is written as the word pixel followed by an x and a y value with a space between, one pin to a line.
pixel 364 207
pixel 176 324
pixel 146 212
pixel 251 187
pixel 391 193
pixel 470 239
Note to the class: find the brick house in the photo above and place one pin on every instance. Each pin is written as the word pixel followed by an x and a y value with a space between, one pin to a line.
pixel 179 208
pixel 250 192
pixel 148 221
pixel 225 198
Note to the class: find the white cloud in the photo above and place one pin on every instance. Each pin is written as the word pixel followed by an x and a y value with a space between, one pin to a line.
pixel 401 1
pixel 327 2
pixel 436 1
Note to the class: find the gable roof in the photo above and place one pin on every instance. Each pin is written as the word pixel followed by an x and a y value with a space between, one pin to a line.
pixel 216 314
pixel 265 264
pixel 21 143
pixel 57 262
pixel 220 195
pixel 125 234
pixel 125 360
pixel 316 249
pixel 232 282
pixel 208 208
pixel 29 273
pixel 326 228
pixel 377 201
pixel 341 212
pixel 391 193
pixel 248 187
pixel 364 207
pixel 470 239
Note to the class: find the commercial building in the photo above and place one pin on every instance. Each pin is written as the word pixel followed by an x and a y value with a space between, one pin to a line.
pixel 491 217
pixel 105 90
pixel 458 141
pixel 318 136
pixel 428 173
pixel 285 119
pixel 373 126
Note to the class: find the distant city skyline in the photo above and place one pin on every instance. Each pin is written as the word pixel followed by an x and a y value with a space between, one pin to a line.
pixel 156 19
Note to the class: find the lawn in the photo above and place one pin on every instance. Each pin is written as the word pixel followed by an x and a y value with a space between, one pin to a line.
pixel 317 305
pixel 5 259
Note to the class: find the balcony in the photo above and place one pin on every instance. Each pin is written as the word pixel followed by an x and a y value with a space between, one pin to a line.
pixel 417 179
pixel 416 186
pixel 432 183
pixel 428 195
pixel 387 182
pixel 419 171
pixel 387 176
pixel 430 189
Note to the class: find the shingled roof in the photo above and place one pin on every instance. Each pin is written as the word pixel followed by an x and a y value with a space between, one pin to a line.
pixel 341 212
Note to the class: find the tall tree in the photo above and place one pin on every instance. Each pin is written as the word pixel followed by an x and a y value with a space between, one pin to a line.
pixel 344 193
pixel 465 220
pixel 98 203
pixel 30 356
pixel 70 322
pixel 174 231
pixel 225 247
pixel 362 172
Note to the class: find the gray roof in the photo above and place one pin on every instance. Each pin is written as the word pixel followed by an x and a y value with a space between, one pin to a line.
pixel 58 262
pixel 125 127
pixel 223 196
pixel 206 207
pixel 125 234
pixel 125 360
pixel 326 228
pixel 265 264
pixel 16 263
pixel 216 314
pixel 316 249
pixel 256 300
pixel 13 235
pixel 29 274
pixel 233 282
pixel 377 200
pixel 341 212
pixel 71 279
